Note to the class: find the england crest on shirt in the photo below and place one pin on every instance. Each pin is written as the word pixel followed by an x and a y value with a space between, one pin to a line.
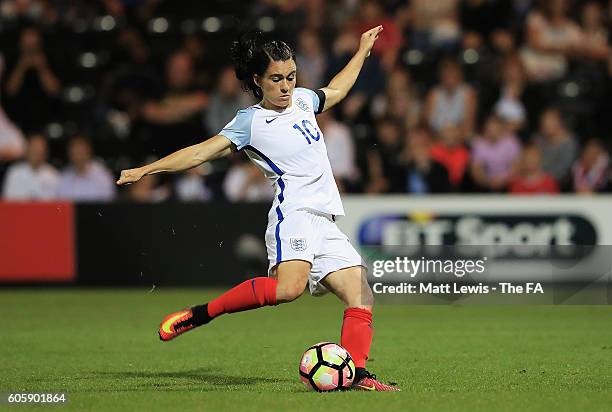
pixel 298 244
pixel 302 104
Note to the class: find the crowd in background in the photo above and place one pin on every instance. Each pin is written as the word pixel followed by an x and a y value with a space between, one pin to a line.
pixel 468 96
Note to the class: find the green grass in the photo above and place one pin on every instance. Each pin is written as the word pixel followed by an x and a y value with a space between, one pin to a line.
pixel 101 347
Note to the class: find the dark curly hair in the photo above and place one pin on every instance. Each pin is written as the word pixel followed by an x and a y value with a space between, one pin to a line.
pixel 252 55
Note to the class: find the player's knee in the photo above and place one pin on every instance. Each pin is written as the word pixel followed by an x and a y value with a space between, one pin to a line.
pixel 290 291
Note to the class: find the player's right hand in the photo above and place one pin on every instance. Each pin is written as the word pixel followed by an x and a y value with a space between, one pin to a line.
pixel 130 176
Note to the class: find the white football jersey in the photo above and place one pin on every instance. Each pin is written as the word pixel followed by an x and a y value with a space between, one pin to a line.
pixel 289 148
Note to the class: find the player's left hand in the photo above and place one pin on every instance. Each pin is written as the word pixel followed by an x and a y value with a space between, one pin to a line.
pixel 369 38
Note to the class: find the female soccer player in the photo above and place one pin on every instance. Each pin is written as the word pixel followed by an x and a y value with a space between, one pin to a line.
pixel 280 135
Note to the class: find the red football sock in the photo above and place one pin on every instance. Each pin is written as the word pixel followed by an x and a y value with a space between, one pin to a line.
pixel 357 333
pixel 251 294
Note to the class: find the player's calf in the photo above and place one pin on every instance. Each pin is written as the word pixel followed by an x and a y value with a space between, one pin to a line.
pixel 251 294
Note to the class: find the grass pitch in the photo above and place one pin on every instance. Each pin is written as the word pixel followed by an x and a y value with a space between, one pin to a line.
pixel 101 347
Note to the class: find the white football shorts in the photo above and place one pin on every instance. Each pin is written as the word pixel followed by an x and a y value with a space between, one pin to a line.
pixel 314 237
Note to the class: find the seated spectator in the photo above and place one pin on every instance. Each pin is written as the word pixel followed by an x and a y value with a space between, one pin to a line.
pixel 494 155
pixel 246 183
pixel 32 86
pixel 372 14
pixel 12 143
pixel 225 100
pixel 486 22
pixel 436 25
pixel 385 171
pixel 510 106
pixel 340 150
pixel 530 177
pixel 557 145
pixel 591 172
pixel 195 46
pixel 312 58
pixel 191 186
pixel 369 82
pixel 422 173
pixel 552 37
pixel 34 178
pixel 452 103
pixel 399 99
pixel 85 179
pixel 450 152
pixel 595 35
pixel 177 114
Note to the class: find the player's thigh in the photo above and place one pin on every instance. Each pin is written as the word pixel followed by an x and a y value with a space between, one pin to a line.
pixel 292 277
pixel 351 286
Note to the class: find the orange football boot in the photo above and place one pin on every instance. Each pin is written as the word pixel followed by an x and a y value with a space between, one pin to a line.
pixel 176 324
pixel 370 383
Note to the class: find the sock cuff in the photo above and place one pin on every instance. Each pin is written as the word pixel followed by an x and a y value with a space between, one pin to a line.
pixel 200 314
pixel 359 313
pixel 270 291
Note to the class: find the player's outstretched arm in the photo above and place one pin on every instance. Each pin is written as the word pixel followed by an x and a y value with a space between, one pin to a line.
pixel 342 83
pixel 213 148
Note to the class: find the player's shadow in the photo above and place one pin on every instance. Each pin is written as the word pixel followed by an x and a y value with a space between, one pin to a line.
pixel 137 380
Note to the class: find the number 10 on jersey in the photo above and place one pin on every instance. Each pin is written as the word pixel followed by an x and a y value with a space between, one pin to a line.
pixel 306 131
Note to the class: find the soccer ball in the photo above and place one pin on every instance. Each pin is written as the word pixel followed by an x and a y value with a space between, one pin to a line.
pixel 326 366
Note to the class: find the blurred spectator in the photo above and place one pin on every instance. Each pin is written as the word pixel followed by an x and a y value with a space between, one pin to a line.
pixel 435 25
pixel 340 150
pixel 148 190
pixel 85 179
pixel 486 22
pixel 177 114
pixel 131 47
pixel 591 172
pixel 195 46
pixel 399 100
pixel 226 99
pixel 32 86
pixel 557 145
pixel 451 103
pixel 12 143
pixel 422 173
pixel 494 155
pixel 595 35
pixel 311 59
pixel 246 183
pixel 450 152
pixel 191 186
pixel 34 178
pixel 369 83
pixel 372 14
pixel 531 179
pixel 510 106
pixel 384 159
pixel 552 37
